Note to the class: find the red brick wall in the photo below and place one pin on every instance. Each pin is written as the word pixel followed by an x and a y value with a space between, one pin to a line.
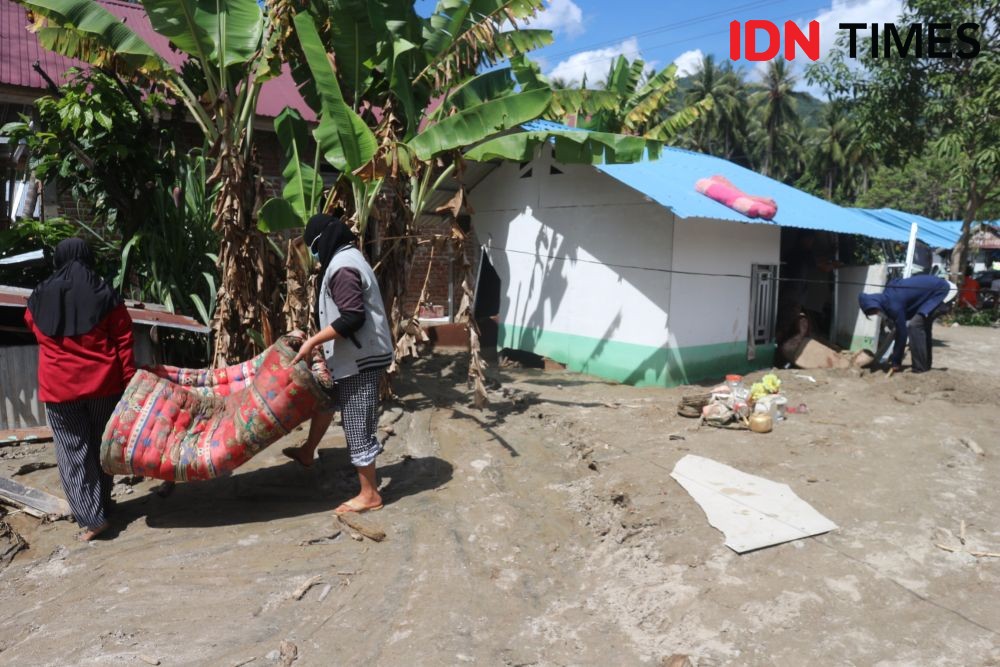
pixel 437 287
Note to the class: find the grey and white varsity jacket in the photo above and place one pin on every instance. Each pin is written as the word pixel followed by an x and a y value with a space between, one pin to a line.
pixel 371 345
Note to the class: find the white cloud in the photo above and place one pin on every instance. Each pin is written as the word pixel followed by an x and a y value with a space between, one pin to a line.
pixel 563 16
pixel 845 11
pixel 689 62
pixel 595 64
pixel 840 11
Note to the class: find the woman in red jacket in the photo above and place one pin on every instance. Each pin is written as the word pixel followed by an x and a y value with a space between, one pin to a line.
pixel 85 360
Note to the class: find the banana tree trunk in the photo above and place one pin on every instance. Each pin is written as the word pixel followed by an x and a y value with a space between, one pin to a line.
pixel 300 286
pixel 249 304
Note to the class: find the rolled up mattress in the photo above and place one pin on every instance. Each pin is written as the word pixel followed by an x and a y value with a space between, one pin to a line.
pixel 180 424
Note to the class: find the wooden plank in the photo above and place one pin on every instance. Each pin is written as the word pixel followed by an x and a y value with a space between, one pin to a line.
pixel 355 522
pixel 32 499
pixel 18 436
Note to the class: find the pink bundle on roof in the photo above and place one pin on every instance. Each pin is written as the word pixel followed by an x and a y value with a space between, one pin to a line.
pixel 721 190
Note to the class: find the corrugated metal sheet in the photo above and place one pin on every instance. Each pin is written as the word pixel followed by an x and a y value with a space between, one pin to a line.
pixel 670 182
pixel 19 49
pixel 20 406
pixel 929 231
pixel 141 313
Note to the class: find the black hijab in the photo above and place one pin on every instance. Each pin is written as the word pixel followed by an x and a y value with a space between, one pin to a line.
pixel 74 299
pixel 325 235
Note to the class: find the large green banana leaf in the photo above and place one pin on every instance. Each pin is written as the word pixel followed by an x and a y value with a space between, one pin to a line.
pixel 481 88
pixel 480 122
pixel 303 188
pixel 217 32
pixel 344 139
pixel 571 146
pixel 84 30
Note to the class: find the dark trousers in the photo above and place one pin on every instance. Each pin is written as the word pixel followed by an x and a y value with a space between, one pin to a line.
pixel 77 428
pixel 921 345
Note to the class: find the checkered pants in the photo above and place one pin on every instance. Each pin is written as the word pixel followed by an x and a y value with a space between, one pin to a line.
pixel 357 401
pixel 77 427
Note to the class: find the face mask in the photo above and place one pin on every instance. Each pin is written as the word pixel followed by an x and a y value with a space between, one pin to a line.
pixel 315 255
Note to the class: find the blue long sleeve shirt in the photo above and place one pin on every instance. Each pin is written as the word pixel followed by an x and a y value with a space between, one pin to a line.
pixel 903 300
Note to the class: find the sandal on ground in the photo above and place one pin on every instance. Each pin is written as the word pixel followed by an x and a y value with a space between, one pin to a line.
pixel 291 452
pixel 348 508
pixel 91 533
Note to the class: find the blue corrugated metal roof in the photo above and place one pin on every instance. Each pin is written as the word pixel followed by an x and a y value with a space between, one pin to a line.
pixel 955 226
pixel 929 231
pixel 670 182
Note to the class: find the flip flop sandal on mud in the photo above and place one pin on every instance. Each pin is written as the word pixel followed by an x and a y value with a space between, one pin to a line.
pixel 351 509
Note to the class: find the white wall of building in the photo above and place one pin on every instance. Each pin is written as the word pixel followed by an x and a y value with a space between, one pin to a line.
pixel 569 241
pixel 581 254
pixel 714 309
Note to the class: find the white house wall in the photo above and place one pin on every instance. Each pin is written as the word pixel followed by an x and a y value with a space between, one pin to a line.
pixel 586 267
pixel 710 295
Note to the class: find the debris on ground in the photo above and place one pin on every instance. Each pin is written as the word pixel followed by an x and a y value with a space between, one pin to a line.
pixel 359 525
pixel 326 539
pixel 289 653
pixel 751 511
pixel 973 446
pixel 11 543
pixel 300 592
pixel 36 503
pixel 34 466
pixel 968 443
pixel 811 353
pixel 733 405
pixel 960 544
pixel 130 480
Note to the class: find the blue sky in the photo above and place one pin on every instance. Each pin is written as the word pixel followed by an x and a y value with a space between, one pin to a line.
pixel 590 33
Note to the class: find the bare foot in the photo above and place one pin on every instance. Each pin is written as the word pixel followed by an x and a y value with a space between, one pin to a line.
pixel 91 533
pixel 296 454
pixel 360 504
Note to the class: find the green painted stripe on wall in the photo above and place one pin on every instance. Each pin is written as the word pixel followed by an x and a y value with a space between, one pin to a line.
pixel 862 343
pixel 639 365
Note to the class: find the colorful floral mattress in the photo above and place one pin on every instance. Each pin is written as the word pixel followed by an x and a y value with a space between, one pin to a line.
pixel 181 424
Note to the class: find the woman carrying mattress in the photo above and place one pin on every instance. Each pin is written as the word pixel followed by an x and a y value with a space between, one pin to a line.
pixel 354 335
pixel 85 360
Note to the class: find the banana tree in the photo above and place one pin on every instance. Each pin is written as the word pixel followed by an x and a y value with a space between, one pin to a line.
pixel 403 100
pixel 644 101
pixel 229 48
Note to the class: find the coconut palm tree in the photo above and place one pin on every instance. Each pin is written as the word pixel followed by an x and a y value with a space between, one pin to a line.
pixel 835 148
pixel 722 130
pixel 775 106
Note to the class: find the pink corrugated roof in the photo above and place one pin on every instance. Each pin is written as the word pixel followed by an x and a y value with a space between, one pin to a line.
pixel 19 49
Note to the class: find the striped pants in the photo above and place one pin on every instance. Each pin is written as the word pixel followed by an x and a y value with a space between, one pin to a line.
pixel 77 427
pixel 356 397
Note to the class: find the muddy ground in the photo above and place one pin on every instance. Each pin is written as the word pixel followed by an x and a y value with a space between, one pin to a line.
pixel 547 531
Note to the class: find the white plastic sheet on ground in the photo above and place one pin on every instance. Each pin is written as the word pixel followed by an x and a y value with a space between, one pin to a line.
pixel 751 511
